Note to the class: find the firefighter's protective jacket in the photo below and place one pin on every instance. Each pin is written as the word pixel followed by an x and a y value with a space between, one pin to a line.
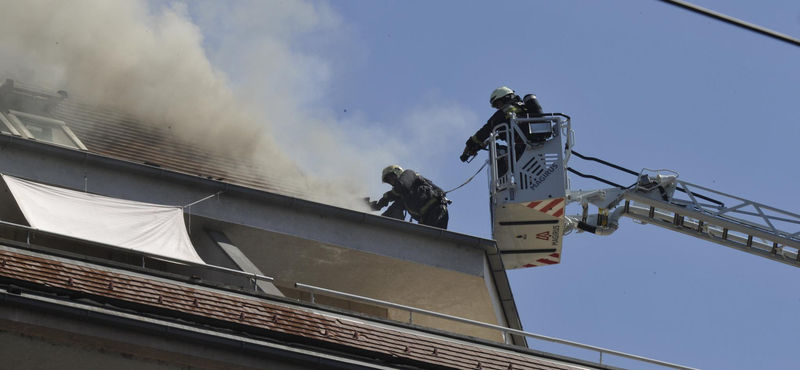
pixel 414 193
pixel 503 115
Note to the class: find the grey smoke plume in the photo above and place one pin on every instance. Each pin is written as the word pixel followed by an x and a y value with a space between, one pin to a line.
pixel 243 88
pixel 119 53
pixel 152 63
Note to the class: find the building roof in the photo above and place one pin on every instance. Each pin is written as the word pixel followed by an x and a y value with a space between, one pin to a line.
pixel 110 132
pixel 259 316
pixel 112 135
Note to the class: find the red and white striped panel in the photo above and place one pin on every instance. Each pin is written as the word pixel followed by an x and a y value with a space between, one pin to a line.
pixel 553 207
pixel 552 259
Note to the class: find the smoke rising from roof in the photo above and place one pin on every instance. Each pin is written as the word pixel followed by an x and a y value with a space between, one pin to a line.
pixel 153 64
pixel 228 76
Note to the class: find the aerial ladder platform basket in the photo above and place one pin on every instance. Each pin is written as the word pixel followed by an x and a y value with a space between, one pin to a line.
pixel 529 191
pixel 527 185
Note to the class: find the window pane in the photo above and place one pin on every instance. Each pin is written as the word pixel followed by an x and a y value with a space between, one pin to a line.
pixel 60 137
pixel 53 134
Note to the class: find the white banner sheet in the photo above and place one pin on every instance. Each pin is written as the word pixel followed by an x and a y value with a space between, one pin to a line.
pixel 143 227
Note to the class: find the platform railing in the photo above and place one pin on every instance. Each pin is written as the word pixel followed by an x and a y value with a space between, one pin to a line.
pixel 506 181
pixel 561 123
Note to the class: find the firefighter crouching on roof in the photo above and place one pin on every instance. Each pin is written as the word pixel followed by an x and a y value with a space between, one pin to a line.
pixel 411 192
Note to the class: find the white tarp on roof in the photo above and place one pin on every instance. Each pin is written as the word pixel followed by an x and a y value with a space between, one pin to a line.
pixel 144 227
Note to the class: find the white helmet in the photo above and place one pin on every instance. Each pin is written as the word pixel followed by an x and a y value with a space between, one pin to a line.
pixel 499 93
pixel 395 169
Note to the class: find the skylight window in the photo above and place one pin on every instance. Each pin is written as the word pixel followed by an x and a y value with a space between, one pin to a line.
pixel 6 127
pixel 35 127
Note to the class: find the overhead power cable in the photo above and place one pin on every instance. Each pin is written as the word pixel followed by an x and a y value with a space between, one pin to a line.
pixel 734 21
pixel 609 164
pixel 570 169
pixel 623 169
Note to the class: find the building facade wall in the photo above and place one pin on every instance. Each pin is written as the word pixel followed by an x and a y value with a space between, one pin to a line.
pixel 31 340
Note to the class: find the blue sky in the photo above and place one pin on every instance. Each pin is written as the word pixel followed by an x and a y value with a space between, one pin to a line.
pixel 648 85
pixel 348 87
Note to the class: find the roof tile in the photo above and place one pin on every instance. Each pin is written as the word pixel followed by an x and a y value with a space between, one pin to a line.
pixel 115 134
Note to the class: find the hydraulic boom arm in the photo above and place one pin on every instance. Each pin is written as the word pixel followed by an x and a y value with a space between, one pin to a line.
pixel 746 225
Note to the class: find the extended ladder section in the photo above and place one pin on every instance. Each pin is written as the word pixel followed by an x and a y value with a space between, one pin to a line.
pixel 744 225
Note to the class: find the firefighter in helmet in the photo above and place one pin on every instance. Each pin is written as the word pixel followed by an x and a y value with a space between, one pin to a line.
pixel 506 102
pixel 412 193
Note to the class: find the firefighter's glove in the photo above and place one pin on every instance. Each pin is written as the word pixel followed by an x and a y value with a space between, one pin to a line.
pixel 468 152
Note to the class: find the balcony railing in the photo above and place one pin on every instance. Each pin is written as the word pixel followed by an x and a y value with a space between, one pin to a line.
pixel 506 331
pixel 254 278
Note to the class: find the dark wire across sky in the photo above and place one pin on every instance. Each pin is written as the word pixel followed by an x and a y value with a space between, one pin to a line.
pixel 734 21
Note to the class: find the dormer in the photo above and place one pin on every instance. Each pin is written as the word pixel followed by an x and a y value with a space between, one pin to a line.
pixel 26 112
pixel 29 99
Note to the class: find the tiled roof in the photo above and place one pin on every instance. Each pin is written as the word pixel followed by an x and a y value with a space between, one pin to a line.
pixel 111 132
pixel 263 317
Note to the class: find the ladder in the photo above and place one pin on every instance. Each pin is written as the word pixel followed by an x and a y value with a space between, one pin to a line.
pixel 746 226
